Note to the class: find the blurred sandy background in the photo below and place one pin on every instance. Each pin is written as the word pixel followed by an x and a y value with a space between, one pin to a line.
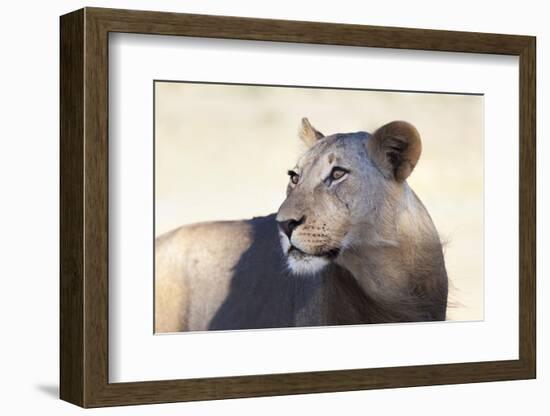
pixel 222 152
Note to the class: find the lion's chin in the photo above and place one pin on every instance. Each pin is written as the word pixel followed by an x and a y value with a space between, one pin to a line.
pixel 303 264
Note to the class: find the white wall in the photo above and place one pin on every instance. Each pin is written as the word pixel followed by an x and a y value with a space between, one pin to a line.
pixel 29 209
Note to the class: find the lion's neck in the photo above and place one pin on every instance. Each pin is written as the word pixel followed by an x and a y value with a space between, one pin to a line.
pixel 401 257
pixel 379 270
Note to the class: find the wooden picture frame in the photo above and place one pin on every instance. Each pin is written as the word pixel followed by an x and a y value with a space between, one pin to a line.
pixel 84 207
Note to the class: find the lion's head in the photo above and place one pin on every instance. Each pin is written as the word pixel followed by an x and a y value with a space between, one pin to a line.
pixel 344 191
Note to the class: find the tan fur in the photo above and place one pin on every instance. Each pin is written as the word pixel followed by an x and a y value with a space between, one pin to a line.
pixel 170 292
pixel 192 260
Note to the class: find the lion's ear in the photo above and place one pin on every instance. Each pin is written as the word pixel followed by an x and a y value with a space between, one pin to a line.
pixel 395 148
pixel 308 133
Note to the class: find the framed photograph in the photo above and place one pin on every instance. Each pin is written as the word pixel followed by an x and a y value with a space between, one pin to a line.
pixel 255 207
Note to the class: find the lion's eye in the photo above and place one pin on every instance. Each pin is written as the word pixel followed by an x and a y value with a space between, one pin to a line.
pixel 337 173
pixel 294 177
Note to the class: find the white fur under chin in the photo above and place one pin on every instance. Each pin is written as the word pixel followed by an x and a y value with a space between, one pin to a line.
pixel 306 265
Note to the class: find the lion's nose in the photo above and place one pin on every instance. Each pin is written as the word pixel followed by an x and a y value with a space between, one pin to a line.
pixel 288 226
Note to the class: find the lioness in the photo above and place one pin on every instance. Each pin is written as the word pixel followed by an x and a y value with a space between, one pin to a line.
pixel 350 244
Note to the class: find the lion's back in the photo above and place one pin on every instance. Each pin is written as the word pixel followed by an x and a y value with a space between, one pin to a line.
pixel 196 264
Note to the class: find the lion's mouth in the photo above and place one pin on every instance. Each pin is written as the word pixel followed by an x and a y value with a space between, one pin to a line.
pixel 328 254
